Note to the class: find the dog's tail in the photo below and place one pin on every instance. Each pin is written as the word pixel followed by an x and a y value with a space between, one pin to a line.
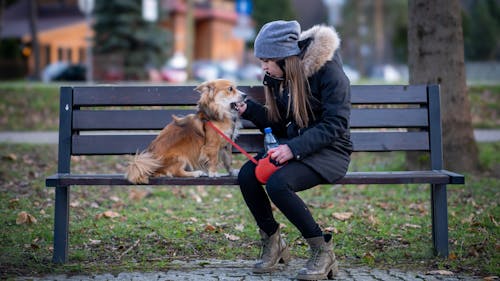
pixel 141 167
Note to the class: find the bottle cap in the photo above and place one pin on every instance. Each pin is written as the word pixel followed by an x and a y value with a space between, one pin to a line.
pixel 268 130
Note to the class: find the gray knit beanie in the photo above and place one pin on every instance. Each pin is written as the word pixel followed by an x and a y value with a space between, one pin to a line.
pixel 277 39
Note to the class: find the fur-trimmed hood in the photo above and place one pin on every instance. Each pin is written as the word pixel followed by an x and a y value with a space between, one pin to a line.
pixel 325 42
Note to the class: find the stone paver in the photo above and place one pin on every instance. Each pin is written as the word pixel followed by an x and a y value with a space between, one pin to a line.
pixel 223 270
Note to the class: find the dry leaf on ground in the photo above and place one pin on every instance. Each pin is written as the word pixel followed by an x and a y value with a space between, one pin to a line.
pixel 231 237
pixel 342 216
pixel 108 215
pixel 25 218
pixel 439 272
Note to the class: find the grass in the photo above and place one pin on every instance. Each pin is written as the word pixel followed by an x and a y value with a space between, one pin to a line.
pixel 34 106
pixel 115 229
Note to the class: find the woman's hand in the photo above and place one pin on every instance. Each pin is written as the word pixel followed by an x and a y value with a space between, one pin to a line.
pixel 281 154
pixel 241 107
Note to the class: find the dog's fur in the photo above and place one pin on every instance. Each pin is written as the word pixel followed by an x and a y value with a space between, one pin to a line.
pixel 187 146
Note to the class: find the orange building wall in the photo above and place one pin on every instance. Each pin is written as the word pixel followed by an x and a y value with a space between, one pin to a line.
pixel 70 37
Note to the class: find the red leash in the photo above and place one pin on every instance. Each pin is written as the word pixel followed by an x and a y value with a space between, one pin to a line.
pixel 250 157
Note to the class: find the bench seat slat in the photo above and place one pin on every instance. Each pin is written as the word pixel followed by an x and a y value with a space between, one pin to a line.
pixel 157 119
pixel 395 177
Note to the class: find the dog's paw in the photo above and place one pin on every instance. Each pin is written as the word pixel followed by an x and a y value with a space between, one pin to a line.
pixel 198 174
pixel 234 172
pixel 214 174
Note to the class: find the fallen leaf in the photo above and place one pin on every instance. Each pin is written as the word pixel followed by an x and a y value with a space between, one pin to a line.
pixel 25 218
pixel 342 216
pixel 111 214
pixel 452 256
pixel 74 204
pixel 493 220
pixel 108 215
pixel 210 227
pixel 195 196
pixel 137 194
pixel 10 156
pixel 384 205
pixel 94 242
pixel 231 237
pixel 491 278
pixel 373 221
pixel 13 203
pixel 439 272
pixel 332 229
pixel 409 225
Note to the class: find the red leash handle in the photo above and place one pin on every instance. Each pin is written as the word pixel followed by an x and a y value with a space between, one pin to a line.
pixel 250 157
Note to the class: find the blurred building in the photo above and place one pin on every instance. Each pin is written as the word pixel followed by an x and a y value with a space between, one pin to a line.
pixel 62 30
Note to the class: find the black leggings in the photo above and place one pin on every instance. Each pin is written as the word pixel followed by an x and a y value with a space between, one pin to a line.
pixel 281 189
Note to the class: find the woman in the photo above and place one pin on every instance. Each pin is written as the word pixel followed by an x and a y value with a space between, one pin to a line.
pixel 308 107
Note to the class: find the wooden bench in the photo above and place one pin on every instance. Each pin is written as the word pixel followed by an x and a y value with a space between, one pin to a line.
pixel 124 119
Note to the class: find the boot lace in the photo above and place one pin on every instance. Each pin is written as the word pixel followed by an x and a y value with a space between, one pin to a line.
pixel 313 260
pixel 264 250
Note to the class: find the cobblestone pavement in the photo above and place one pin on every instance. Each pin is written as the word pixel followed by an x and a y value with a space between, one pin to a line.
pixel 221 270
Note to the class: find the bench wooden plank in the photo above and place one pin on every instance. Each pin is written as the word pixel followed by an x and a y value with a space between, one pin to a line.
pixel 157 119
pixel 134 95
pixel 395 177
pixel 114 144
pixel 130 144
pixel 185 95
pixel 388 94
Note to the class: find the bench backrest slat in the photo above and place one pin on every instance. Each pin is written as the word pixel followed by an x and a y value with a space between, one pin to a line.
pixel 124 119
pixel 157 119
pixel 363 141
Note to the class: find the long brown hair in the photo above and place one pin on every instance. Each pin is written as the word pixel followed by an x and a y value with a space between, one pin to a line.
pixel 298 88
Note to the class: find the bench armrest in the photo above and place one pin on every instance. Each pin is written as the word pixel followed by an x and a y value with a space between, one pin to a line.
pixel 454 177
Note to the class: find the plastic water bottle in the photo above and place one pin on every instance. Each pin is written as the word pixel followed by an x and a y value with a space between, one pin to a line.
pixel 269 140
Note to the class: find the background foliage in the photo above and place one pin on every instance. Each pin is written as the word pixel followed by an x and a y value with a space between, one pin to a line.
pixel 120 29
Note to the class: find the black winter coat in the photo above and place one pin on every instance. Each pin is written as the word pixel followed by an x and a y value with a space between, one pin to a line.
pixel 325 143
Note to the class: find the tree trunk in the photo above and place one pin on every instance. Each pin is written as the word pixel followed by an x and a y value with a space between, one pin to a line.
pixel 436 55
pixel 33 16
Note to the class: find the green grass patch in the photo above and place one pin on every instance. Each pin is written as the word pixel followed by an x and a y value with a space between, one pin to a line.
pixel 115 229
pixel 26 106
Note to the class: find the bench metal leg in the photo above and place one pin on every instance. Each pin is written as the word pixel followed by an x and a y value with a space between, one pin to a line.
pixel 439 208
pixel 61 225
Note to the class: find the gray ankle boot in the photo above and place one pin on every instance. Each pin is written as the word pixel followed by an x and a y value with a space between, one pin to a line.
pixel 274 251
pixel 322 263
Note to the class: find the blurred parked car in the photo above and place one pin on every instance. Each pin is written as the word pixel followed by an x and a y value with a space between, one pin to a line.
pixel 63 71
pixel 74 72
pixel 250 72
pixel 174 69
pixel 386 72
pixel 205 70
pixel 351 73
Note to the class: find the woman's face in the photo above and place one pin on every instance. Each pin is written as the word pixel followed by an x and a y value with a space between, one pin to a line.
pixel 271 67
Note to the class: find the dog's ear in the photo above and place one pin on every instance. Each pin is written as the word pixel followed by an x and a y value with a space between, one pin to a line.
pixel 205 87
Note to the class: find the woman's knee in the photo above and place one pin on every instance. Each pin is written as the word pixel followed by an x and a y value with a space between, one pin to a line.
pixel 246 176
pixel 276 185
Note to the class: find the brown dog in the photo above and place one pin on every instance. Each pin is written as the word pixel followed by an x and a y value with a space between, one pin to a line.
pixel 188 147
